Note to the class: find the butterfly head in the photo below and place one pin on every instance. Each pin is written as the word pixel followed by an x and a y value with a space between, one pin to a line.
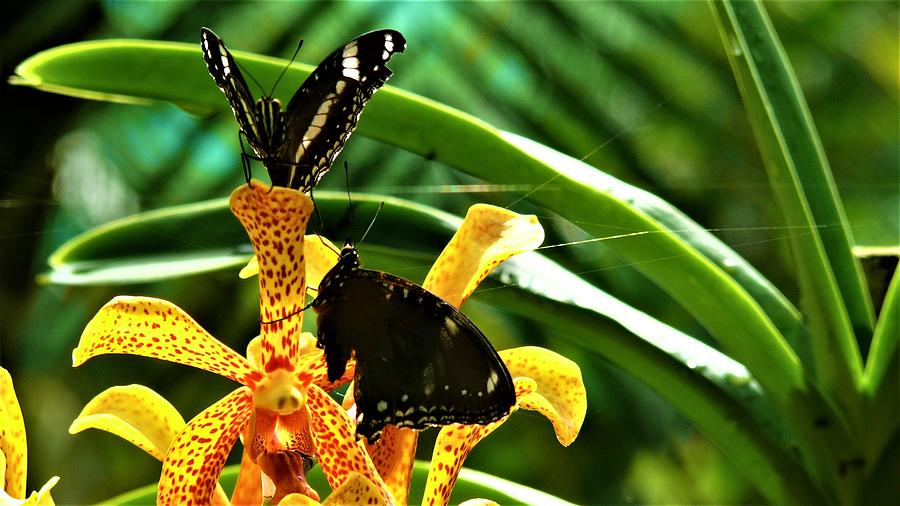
pixel 335 278
pixel 349 256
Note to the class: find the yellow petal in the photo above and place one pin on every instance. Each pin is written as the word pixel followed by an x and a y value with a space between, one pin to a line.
pixel 312 369
pixel 249 270
pixel 356 490
pixel 338 451
pixel 393 456
pixel 298 500
pixel 195 459
pixel 306 346
pixel 488 236
pixel 275 219
pixel 321 255
pixel 453 445
pixel 560 393
pixel 12 438
pixel 39 498
pixel 159 329
pixel 136 414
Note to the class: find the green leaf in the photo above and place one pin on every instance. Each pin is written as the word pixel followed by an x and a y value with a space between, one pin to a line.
pixel 882 371
pixel 886 338
pixel 204 237
pixel 470 485
pixel 713 391
pixel 838 307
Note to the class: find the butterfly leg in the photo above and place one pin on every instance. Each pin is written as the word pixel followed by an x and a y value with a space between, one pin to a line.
pixel 245 158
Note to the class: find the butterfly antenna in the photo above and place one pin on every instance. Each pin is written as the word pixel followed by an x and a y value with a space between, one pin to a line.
pixel 380 207
pixel 299 45
pixel 349 200
pixel 322 223
pixel 312 196
pixel 245 71
pixel 245 158
pixel 270 322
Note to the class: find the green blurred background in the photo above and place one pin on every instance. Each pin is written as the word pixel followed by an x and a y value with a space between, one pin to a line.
pixel 641 90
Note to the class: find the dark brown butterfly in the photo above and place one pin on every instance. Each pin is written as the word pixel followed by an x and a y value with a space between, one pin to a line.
pixel 420 362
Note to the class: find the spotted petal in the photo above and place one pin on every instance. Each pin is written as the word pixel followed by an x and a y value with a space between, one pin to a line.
pixel 313 369
pixel 356 490
pixel 275 219
pixel 453 445
pixel 393 456
pixel 560 394
pixel 321 255
pixel 488 236
pixel 136 414
pixel 12 438
pixel 159 329
pixel 196 457
pixel 39 498
pixel 338 452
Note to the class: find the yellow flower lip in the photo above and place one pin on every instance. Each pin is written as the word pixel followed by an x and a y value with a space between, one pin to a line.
pixel 280 392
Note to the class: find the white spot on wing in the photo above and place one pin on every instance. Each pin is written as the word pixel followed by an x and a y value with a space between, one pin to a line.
pixel 452 328
pixel 492 381
pixel 382 405
pixel 311 133
pixel 351 63
pixel 388 44
pixel 351 73
pixel 350 50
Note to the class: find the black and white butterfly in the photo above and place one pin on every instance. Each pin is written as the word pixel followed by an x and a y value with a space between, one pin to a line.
pixel 298 144
pixel 420 362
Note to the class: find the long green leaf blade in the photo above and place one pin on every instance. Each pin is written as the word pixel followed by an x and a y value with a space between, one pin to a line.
pixel 838 305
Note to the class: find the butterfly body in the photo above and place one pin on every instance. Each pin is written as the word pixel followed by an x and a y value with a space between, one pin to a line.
pixel 299 143
pixel 420 362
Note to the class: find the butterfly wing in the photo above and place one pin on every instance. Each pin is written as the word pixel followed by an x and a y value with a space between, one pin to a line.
pixel 419 361
pixel 228 78
pixel 324 110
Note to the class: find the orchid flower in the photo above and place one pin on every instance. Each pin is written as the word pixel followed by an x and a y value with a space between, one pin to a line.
pixel 282 408
pixel 13 452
